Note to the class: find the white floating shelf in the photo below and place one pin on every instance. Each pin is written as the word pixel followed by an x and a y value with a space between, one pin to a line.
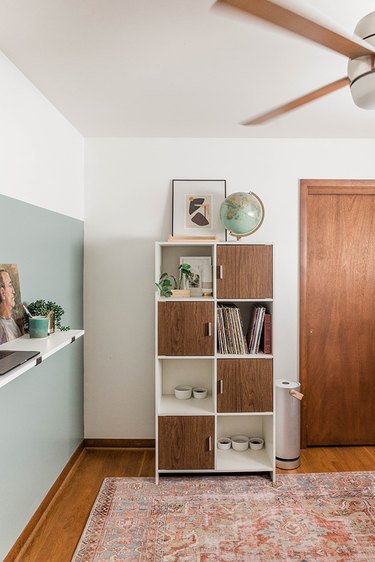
pixel 46 347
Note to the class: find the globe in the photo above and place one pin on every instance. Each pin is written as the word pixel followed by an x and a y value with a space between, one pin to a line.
pixel 242 213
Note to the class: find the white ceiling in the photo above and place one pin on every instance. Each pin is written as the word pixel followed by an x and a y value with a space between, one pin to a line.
pixel 175 68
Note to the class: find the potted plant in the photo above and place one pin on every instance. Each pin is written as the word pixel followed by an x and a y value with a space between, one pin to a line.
pixel 181 285
pixel 46 308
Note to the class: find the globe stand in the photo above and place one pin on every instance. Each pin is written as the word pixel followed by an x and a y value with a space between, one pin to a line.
pixel 239 236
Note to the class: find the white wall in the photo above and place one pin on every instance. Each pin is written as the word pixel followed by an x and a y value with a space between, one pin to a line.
pixel 41 154
pixel 128 207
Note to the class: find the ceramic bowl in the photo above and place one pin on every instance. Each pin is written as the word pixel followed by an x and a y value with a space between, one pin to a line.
pixel 256 443
pixel 240 442
pixel 200 392
pixel 183 392
pixel 224 443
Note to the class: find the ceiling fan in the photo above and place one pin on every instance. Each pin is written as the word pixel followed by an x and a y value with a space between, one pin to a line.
pixel 359 48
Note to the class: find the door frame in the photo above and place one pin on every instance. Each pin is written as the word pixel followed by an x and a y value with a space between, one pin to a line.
pixel 310 187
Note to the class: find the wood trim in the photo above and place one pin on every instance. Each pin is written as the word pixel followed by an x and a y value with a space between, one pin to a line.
pixel 46 502
pixel 120 443
pixel 313 184
pixel 304 186
pixel 313 187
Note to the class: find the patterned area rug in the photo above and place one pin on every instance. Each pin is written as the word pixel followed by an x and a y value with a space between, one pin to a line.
pixel 302 517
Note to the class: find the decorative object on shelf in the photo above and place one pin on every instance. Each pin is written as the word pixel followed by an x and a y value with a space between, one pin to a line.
pixel 183 392
pixel 46 308
pixel 242 213
pixel 39 326
pixel 200 392
pixel 256 443
pixel 181 284
pixel 224 443
pixel 164 285
pixel 240 442
pixel 195 208
pixel 200 282
pixel 11 312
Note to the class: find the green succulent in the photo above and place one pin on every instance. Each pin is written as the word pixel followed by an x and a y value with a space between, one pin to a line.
pixel 43 308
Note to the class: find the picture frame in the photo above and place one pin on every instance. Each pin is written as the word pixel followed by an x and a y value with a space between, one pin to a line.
pixel 201 267
pixel 11 309
pixel 195 208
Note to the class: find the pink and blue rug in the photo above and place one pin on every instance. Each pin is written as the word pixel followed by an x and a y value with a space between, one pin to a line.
pixel 301 518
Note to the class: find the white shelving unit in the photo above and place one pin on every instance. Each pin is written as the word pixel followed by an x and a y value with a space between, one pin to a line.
pixel 46 347
pixel 178 421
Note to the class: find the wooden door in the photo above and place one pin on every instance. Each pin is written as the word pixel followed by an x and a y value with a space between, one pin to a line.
pixel 186 328
pixel 244 385
pixel 186 442
pixel 337 312
pixel 244 272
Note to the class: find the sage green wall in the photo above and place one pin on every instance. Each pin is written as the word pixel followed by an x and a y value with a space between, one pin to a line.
pixel 41 412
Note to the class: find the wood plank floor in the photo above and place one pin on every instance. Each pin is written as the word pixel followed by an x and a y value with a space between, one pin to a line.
pixel 59 531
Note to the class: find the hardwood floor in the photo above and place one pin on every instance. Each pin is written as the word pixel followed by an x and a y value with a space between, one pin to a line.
pixel 55 539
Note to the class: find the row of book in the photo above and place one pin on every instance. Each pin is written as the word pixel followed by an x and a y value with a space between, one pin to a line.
pixel 231 335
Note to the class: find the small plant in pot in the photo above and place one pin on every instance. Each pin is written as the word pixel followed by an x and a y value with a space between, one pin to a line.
pixel 181 285
pixel 46 308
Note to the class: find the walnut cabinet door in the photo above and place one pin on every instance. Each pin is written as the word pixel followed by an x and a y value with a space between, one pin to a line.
pixel 186 328
pixel 244 272
pixel 186 442
pixel 244 385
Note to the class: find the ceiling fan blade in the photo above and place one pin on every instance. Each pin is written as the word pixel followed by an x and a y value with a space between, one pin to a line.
pixel 267 10
pixel 323 91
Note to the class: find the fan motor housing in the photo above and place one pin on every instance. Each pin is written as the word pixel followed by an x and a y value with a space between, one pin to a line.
pixel 361 71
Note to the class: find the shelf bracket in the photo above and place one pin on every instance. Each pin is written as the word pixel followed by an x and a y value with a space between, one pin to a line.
pixel 73 339
pixel 38 361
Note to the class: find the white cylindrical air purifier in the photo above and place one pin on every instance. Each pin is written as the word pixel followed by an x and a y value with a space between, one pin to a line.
pixel 288 421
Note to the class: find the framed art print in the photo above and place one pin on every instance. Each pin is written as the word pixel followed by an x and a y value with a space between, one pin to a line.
pixel 200 284
pixel 195 208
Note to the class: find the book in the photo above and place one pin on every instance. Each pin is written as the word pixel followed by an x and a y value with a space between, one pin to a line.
pixel 266 340
pixel 255 328
pixel 230 335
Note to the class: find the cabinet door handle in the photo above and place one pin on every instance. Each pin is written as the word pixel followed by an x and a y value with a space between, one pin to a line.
pixel 210 443
pixel 209 329
pixel 219 271
pixel 220 386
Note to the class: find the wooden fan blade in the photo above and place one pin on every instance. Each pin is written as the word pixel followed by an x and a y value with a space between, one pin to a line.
pixel 298 102
pixel 348 45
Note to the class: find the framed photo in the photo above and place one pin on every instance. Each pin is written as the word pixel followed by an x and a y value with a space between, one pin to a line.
pixel 11 310
pixel 201 268
pixel 195 208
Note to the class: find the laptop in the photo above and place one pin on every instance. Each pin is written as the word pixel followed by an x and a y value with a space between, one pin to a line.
pixel 11 359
